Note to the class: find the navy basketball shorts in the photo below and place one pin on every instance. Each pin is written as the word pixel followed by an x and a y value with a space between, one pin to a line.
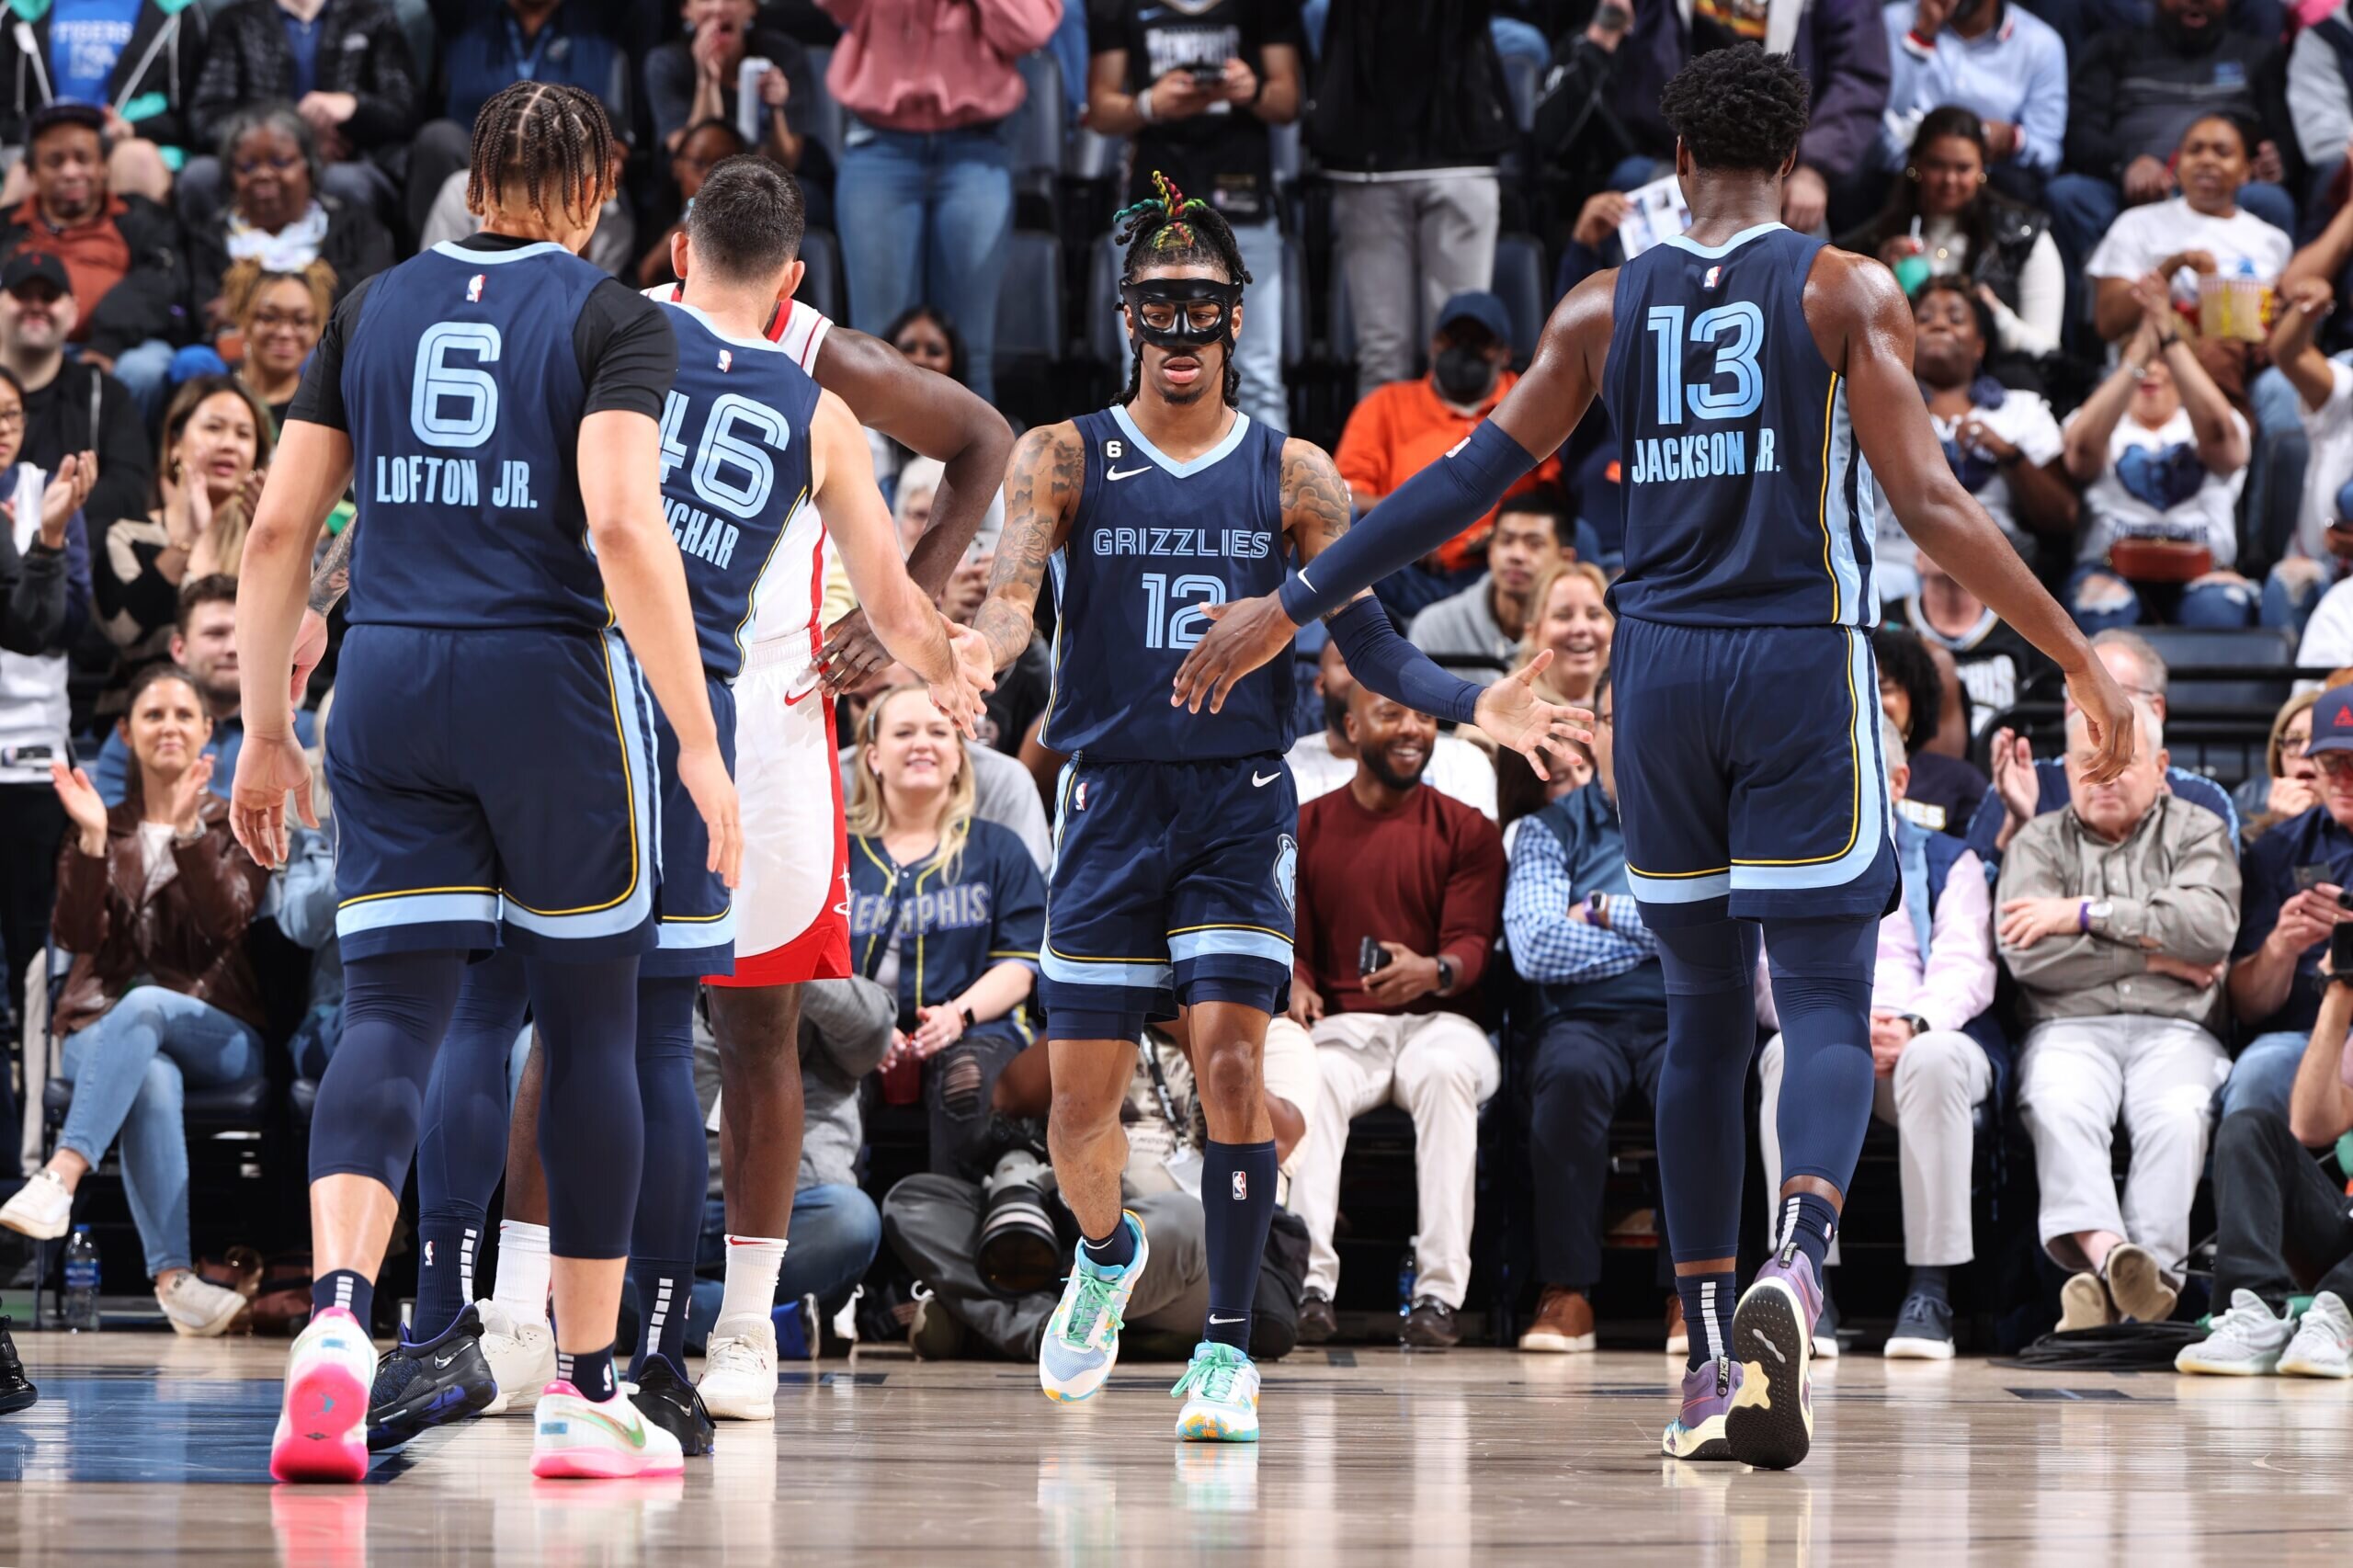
pixel 493 789
pixel 695 911
pixel 1750 780
pixel 1173 885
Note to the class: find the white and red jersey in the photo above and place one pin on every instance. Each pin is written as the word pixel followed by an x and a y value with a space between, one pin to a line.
pixel 800 330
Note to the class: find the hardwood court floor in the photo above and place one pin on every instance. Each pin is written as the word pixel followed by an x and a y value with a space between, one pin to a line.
pixel 146 1449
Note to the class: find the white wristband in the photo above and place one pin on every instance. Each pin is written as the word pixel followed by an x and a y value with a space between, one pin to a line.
pixel 1143 104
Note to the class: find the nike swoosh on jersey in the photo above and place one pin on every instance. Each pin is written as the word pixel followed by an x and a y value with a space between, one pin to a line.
pixel 1126 472
pixel 1269 778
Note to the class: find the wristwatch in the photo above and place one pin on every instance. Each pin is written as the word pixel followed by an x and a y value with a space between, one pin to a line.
pixel 2092 915
pixel 969 1020
pixel 1445 975
pixel 1919 1025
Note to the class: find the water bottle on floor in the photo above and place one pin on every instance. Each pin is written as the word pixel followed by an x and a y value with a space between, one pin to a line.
pixel 82 1281
pixel 1406 1278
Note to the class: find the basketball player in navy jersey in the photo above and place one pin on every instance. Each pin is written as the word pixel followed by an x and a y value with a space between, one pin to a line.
pixel 753 452
pixel 1758 380
pixel 497 402
pixel 1173 865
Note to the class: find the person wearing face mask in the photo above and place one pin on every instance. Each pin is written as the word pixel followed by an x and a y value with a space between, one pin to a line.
pixel 1401 428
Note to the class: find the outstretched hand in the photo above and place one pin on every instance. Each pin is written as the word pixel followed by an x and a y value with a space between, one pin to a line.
pixel 1247 633
pixel 852 654
pixel 2107 716
pixel 1514 715
pixel 975 677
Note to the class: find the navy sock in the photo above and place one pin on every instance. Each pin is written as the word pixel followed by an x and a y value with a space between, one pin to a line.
pixel 1710 978
pixel 1822 986
pixel 1929 1280
pixel 448 1238
pixel 463 1149
pixel 1237 1207
pixel 590 1372
pixel 1116 1251
pixel 344 1288
pixel 677 1169
pixel 1707 1301
pixel 1809 1224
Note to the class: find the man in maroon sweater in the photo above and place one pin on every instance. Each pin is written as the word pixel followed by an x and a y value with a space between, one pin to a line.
pixel 1392 861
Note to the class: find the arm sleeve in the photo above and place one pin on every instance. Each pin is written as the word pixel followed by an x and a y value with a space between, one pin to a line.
pixel 2195 912
pixel 319 400
pixel 1851 47
pixel 628 356
pixel 219 88
pixel 1957 981
pixel 1394 668
pixel 1424 513
pixel 1469 917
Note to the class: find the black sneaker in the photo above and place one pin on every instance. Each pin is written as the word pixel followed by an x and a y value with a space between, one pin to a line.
pixel 1431 1327
pixel 666 1399
pixel 423 1386
pixel 15 1392
pixel 1318 1325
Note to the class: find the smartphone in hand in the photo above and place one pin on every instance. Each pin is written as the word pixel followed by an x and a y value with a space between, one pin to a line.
pixel 1371 957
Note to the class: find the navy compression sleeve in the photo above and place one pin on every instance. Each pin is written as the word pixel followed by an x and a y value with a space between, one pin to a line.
pixel 1389 665
pixel 1419 516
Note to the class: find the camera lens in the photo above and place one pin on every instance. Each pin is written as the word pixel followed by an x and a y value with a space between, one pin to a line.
pixel 1020 1252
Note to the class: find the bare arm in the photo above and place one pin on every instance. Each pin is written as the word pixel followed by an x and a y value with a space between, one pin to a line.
pixel 2087 433
pixel 2304 305
pixel 2327 257
pixel 2320 1108
pixel 1041 491
pixel 902 616
pixel 2045 502
pixel 2222 440
pixel 1861 320
pixel 1278 97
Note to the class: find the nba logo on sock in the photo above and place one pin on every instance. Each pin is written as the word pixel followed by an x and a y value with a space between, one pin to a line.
pixel 1242 1186
pixel 1715 275
pixel 428 1255
pixel 473 289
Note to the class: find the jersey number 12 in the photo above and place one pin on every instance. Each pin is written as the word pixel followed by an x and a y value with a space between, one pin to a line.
pixel 1167 621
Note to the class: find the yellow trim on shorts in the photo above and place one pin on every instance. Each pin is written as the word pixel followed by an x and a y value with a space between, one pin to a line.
pixel 1822 517
pixel 1074 958
pixel 1676 876
pixel 407 892
pixel 1854 753
pixel 1233 926
pixel 699 919
pixel 629 794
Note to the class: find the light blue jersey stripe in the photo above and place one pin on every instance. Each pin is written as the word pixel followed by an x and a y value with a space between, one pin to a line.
pixel 1229 941
pixel 1678 890
pixel 698 934
pixel 414 909
pixel 1872 823
pixel 1084 972
pixel 1837 520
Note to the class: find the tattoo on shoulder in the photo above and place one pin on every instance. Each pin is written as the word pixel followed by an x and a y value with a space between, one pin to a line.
pixel 1314 498
pixel 333 575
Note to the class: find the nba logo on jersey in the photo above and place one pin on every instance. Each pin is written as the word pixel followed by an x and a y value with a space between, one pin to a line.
pixel 1715 276
pixel 473 289
pixel 726 361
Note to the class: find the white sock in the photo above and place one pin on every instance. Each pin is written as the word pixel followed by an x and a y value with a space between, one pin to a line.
pixel 522 1287
pixel 752 1266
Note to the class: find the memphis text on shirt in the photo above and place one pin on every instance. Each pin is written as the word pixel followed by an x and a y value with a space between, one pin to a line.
pixel 419 479
pixel 1706 454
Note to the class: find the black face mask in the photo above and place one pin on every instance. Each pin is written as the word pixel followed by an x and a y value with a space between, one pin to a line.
pixel 1464 375
pixel 1169 298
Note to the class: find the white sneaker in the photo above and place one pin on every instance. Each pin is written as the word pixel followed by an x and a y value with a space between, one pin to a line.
pixel 578 1438
pixel 2244 1342
pixel 322 1425
pixel 1081 1342
pixel 521 1357
pixel 197 1308
pixel 2323 1344
pixel 1220 1390
pixel 738 1381
pixel 41 1208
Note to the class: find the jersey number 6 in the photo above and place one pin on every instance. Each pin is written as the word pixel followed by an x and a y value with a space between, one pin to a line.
pixel 452 406
pixel 1743 324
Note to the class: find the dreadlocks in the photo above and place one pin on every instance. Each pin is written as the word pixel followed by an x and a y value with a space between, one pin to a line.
pixel 547 140
pixel 1175 230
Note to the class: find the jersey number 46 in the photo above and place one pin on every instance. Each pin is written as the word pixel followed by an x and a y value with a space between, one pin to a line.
pixel 731 472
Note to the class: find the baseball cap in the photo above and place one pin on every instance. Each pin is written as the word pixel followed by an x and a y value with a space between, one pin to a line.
pixel 1477 305
pixel 26 266
pixel 50 116
pixel 2332 721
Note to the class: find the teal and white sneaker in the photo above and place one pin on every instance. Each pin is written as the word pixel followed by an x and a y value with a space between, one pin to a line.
pixel 1082 1343
pixel 1220 1394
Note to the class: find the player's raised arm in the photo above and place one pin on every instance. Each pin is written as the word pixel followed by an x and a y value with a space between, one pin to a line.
pixel 911 628
pixel 1428 509
pixel 1041 490
pixel 930 414
pixel 1865 325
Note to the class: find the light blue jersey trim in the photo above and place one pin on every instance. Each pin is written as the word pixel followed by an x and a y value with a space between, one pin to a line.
pixel 1228 942
pixel 1837 522
pixel 1872 823
pixel 760 345
pixel 637 755
pixel 698 934
pixel 1678 890
pixel 1717 252
pixel 1111 972
pixel 415 909
pixel 1184 470
pixel 456 252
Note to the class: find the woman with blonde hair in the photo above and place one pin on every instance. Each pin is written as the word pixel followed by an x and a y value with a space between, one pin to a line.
pixel 1569 614
pixel 279 315
pixel 947 912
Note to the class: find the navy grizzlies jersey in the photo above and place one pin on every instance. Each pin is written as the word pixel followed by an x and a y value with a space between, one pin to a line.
pixel 1154 541
pixel 1746 502
pixel 735 489
pixel 465 395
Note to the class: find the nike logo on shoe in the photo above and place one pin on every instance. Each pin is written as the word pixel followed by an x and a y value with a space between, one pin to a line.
pixel 441 1362
pixel 1118 473
pixel 1269 778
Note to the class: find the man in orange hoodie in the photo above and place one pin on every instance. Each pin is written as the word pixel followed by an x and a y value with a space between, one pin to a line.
pixel 1404 426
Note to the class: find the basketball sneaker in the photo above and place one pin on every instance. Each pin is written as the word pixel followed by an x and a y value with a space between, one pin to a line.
pixel 1708 1393
pixel 17 1390
pixel 1082 1343
pixel 663 1396
pixel 2323 1344
pixel 739 1370
pixel 1770 1422
pixel 578 1438
pixel 2244 1342
pixel 1923 1330
pixel 1220 1394
pixel 422 1386
pixel 322 1425
pixel 521 1357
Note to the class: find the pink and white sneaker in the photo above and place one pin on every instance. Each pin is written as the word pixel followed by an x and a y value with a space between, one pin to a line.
pixel 323 1426
pixel 577 1438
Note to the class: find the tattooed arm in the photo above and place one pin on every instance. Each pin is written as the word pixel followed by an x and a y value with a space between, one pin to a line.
pixel 1041 489
pixel 329 579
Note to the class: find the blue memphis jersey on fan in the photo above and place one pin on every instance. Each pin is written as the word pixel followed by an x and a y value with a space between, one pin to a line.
pixel 1154 541
pixel 1746 502
pixel 469 514
pixel 735 488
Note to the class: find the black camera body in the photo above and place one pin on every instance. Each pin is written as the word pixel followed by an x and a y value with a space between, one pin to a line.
pixel 2340 940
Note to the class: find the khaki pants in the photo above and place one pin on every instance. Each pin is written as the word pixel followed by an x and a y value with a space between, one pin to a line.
pixel 1440 1069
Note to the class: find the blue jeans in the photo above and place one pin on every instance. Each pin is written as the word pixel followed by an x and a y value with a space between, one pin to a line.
pixel 145 372
pixel 1258 352
pixel 2093 602
pixel 836 1232
pixel 925 218
pixel 128 1071
pixel 2262 1076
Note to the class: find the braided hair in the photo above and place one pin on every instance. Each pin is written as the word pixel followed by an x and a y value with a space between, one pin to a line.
pixel 547 140
pixel 1175 230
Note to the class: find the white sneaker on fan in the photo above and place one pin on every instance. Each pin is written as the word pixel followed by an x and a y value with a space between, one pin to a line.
pixel 522 1357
